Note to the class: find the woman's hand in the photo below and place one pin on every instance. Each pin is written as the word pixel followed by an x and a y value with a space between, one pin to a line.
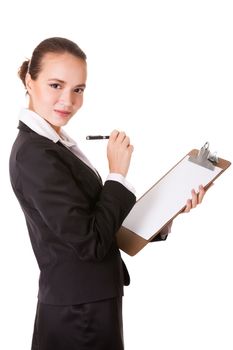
pixel 195 200
pixel 119 152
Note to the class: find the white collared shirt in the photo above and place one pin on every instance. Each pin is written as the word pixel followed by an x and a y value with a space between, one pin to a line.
pixel 38 124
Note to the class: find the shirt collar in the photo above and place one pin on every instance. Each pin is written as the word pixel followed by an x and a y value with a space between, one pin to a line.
pixel 38 124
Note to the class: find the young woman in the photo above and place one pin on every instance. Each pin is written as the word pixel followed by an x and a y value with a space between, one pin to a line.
pixel 72 217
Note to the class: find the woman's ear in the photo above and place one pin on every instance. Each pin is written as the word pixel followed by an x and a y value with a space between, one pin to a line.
pixel 28 82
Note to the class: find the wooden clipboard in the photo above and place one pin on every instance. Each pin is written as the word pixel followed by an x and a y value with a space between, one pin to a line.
pixel 167 198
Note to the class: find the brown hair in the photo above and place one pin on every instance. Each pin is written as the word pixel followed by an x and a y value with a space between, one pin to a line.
pixel 50 45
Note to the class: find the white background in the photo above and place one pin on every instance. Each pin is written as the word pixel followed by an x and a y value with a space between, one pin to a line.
pixel 163 72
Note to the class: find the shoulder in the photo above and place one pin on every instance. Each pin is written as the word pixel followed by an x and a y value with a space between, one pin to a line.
pixel 36 161
pixel 32 151
pixel 29 144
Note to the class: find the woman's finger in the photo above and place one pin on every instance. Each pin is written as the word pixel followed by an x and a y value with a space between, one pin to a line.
pixel 113 135
pixel 201 194
pixel 121 136
pixel 126 141
pixel 188 206
pixel 194 198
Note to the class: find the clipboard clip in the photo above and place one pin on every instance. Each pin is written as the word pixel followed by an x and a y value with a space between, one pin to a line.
pixel 205 158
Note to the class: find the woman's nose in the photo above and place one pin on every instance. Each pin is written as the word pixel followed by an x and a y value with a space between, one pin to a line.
pixel 66 99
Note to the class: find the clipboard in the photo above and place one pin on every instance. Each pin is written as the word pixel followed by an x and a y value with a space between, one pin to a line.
pixel 167 198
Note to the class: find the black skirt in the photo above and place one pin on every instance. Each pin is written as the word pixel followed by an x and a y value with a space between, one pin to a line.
pixel 91 326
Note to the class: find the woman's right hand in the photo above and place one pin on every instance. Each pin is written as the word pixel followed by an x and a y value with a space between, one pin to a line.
pixel 119 152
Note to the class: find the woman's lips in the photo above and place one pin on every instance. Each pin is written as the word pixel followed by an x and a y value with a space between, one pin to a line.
pixel 62 113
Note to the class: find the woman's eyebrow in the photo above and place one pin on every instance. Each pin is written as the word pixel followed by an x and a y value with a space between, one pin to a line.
pixel 62 82
pixel 59 80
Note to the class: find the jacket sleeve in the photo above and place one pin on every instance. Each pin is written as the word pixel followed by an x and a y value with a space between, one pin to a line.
pixel 62 207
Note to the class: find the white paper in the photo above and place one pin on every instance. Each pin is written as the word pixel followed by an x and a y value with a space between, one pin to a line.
pixel 166 198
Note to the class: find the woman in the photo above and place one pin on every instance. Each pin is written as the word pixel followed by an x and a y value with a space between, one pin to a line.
pixel 72 218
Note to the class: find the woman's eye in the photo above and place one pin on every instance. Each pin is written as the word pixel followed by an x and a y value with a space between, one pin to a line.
pixel 55 86
pixel 79 91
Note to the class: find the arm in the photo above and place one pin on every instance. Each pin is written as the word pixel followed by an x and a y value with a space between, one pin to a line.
pixel 62 207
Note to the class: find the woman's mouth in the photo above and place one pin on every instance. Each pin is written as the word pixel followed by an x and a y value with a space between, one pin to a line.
pixel 62 113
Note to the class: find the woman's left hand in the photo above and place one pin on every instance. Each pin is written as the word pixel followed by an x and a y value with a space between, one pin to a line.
pixel 195 200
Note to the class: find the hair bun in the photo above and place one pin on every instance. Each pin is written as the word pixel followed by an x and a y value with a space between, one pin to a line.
pixel 23 71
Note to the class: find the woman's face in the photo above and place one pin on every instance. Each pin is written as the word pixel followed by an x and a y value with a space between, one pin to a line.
pixel 57 93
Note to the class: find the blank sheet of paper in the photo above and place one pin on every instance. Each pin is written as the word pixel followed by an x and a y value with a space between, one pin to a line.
pixel 167 197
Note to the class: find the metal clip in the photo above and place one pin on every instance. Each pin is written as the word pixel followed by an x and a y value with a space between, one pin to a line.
pixel 205 158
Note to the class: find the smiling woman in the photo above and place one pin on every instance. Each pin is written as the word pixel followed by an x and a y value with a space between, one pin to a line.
pixel 56 93
pixel 72 217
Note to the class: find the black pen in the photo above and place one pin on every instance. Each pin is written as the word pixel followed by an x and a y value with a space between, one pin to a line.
pixel 97 137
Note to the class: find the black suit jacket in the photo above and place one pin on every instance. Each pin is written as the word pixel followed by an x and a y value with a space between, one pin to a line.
pixel 72 220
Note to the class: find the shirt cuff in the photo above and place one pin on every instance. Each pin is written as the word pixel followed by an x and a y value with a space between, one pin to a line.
pixel 121 179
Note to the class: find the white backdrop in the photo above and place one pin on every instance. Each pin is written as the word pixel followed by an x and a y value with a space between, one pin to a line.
pixel 163 72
